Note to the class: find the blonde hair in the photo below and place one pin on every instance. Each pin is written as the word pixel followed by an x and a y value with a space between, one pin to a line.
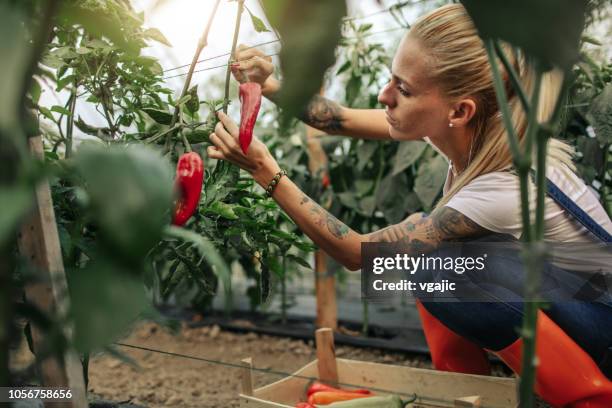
pixel 461 68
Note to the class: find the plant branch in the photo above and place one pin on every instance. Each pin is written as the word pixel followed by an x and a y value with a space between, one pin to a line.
pixel 202 43
pixel 232 54
pixel 70 121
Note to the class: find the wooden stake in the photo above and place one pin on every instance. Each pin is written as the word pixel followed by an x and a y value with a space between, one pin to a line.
pixel 325 285
pixel 39 243
pixel 326 356
pixel 247 376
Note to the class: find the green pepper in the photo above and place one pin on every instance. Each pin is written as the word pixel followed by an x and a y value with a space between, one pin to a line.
pixel 390 401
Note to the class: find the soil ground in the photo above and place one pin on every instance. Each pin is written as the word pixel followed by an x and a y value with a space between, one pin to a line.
pixel 169 381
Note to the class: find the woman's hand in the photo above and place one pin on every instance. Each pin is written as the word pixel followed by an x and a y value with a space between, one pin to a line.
pixel 253 65
pixel 258 161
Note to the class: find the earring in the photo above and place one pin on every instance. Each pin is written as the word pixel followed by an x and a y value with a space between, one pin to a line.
pixel 450 124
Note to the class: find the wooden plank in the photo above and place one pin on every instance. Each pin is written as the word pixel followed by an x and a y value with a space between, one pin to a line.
pixel 39 243
pixel 473 401
pixel 247 376
pixel 325 285
pixel 326 356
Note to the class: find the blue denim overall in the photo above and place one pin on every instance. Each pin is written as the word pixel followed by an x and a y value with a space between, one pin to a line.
pixel 493 322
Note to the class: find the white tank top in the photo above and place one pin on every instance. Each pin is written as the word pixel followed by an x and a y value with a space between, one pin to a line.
pixel 493 201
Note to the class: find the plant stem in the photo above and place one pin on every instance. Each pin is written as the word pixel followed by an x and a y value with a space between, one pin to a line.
pixel 202 43
pixel 606 190
pixel 70 121
pixel 513 76
pixel 366 318
pixel 232 54
pixel 535 253
pixel 502 101
pixel 284 293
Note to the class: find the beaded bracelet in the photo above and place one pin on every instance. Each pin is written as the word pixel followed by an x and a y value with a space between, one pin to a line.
pixel 272 186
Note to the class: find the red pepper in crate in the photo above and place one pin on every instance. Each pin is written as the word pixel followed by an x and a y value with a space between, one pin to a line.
pixel 317 387
pixel 250 101
pixel 188 182
pixel 327 397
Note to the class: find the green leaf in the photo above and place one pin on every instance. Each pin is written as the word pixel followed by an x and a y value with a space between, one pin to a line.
pixel 206 249
pixel 36 91
pixel 155 34
pixel 353 89
pixel 193 105
pixel 105 299
pixel 364 153
pixel 160 116
pixel 15 203
pixel 61 109
pixel 198 136
pixel 310 31
pixel 61 84
pixel 223 210
pixel 46 113
pixel 299 261
pixel 430 179
pixel 130 191
pixel 549 30
pixel 258 24
pixel 407 153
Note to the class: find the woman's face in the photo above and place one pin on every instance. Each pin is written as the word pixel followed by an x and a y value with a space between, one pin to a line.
pixel 415 106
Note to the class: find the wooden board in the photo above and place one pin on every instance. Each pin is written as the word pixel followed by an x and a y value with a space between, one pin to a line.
pixel 39 243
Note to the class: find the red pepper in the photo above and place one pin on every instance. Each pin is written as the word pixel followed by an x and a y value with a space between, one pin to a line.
pixel 304 405
pixel 327 397
pixel 318 387
pixel 325 181
pixel 188 182
pixel 250 100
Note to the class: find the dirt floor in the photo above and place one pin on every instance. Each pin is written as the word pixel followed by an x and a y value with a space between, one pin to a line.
pixel 170 381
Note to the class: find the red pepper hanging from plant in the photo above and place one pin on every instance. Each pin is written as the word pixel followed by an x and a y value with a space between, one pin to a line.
pixel 188 183
pixel 250 101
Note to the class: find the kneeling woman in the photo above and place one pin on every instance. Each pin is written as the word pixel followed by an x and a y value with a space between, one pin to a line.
pixel 441 90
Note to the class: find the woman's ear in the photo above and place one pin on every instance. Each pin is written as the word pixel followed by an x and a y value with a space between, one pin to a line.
pixel 462 112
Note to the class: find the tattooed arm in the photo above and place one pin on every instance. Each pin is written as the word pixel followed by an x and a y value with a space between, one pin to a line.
pixel 333 118
pixel 422 233
pixel 419 232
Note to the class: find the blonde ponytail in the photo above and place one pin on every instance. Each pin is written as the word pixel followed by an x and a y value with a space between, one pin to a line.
pixel 461 68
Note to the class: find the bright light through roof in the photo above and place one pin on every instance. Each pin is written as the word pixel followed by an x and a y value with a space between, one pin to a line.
pixel 183 22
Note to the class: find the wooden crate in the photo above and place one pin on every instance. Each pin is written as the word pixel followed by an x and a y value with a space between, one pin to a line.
pixel 433 388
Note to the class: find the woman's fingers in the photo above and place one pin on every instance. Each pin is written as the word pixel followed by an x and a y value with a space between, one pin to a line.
pixel 255 63
pixel 228 124
pixel 219 143
pixel 214 153
pixel 244 52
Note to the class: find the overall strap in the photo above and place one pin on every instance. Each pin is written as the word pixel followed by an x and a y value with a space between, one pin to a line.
pixel 571 207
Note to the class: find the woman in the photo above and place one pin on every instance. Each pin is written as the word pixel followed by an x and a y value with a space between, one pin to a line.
pixel 441 90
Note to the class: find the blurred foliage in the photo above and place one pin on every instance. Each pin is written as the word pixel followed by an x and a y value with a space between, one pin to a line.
pixel 557 45
pixel 310 32
pixel 588 124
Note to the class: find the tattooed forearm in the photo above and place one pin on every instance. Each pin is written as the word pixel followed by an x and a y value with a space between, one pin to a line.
pixel 325 219
pixel 453 225
pixel 416 234
pixel 323 114
pixel 421 233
